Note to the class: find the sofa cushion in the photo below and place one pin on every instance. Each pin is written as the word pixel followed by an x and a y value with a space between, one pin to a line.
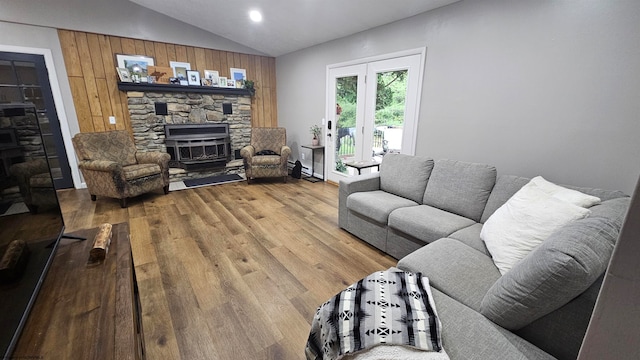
pixel 561 268
pixel 426 223
pixel 377 204
pixel 455 269
pixel 466 334
pixel 523 222
pixel 405 175
pixel 470 236
pixel 460 187
pixel 506 186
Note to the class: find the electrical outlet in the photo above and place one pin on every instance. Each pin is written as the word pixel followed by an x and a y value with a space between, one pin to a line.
pixel 302 156
pixel 112 120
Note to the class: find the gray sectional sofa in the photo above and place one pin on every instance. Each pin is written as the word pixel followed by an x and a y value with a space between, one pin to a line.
pixel 429 215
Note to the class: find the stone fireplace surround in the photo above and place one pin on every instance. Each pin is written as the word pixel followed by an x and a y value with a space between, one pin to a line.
pixel 189 108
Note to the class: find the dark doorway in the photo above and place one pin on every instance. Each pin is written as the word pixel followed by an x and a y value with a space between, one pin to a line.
pixel 24 79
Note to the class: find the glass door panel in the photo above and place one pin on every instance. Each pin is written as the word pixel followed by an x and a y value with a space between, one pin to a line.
pixel 345 117
pixel 24 79
pixel 391 91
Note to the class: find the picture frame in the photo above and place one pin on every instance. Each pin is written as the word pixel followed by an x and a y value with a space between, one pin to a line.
pixel 238 74
pixel 178 64
pixel 213 76
pixel 193 77
pixel 136 64
pixel 222 81
pixel 206 82
pixel 123 74
pixel 180 73
pixel 231 83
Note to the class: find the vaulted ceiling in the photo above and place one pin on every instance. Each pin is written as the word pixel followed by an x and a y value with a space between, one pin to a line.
pixel 289 25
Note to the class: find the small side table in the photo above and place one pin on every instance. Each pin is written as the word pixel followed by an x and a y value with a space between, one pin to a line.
pixel 363 165
pixel 313 148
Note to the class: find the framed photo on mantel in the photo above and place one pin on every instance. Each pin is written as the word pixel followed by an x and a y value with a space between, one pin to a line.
pixel 136 64
pixel 193 77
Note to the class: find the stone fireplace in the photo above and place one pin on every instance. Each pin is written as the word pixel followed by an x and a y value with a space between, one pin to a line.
pixel 194 122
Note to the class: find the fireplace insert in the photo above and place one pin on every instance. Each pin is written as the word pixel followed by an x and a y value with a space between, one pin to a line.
pixel 198 146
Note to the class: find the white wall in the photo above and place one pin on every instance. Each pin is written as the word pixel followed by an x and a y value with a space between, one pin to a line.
pixel 533 87
pixel 114 17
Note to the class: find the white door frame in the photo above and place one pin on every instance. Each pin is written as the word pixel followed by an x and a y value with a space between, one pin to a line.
pixel 57 99
pixel 409 142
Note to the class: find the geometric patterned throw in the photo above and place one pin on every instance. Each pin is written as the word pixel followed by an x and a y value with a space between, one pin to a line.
pixel 384 308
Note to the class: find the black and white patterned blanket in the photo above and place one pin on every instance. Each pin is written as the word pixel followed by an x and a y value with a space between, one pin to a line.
pixel 384 308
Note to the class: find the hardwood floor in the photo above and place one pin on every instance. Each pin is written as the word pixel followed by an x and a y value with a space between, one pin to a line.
pixel 233 271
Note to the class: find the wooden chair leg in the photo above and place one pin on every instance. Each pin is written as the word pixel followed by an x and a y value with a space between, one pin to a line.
pixel 123 203
pixel 285 179
pixel 166 189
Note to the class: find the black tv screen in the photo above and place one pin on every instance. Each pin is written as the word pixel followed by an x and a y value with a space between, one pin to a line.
pixel 31 222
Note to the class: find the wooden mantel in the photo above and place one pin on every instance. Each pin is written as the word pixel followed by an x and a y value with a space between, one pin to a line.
pixel 129 86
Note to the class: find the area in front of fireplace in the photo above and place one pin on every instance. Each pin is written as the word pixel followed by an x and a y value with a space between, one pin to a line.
pixel 186 112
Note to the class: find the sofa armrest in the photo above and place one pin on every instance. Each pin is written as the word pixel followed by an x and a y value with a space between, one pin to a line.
pixel 365 182
pixel 285 151
pixel 100 165
pixel 350 185
pixel 154 157
pixel 247 152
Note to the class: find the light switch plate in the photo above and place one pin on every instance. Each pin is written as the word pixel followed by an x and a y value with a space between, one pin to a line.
pixel 112 120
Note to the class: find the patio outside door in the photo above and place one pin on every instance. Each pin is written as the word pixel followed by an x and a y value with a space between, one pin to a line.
pixel 372 111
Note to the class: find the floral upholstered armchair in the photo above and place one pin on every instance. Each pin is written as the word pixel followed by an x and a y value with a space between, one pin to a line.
pixel 267 154
pixel 112 166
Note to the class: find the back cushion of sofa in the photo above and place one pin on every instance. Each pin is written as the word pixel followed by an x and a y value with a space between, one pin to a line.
pixel 460 187
pixel 558 270
pixel 506 186
pixel 405 175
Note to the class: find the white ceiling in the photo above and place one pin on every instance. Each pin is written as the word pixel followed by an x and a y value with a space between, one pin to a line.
pixel 289 25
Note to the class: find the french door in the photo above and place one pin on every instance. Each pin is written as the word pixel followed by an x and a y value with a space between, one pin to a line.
pixel 24 79
pixel 372 110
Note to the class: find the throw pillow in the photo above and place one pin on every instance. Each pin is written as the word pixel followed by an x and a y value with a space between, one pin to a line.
pixel 523 222
pixel 571 196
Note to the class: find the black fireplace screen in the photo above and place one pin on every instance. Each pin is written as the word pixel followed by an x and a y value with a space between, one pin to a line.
pixel 198 145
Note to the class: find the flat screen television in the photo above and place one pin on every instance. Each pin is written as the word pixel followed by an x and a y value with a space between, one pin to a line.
pixel 31 222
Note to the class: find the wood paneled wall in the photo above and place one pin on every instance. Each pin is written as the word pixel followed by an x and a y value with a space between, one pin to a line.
pixel 91 62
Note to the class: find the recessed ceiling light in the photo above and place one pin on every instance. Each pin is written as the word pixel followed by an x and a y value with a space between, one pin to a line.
pixel 255 15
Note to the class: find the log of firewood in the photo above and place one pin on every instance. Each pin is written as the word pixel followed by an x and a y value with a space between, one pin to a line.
pixel 101 244
pixel 14 261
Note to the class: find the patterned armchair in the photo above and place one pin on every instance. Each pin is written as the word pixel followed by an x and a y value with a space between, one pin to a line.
pixel 35 184
pixel 267 154
pixel 112 166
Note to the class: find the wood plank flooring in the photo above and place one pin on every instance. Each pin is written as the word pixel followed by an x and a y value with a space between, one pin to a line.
pixel 233 271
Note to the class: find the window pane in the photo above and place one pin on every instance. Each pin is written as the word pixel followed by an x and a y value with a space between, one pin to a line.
pixel 10 94
pixel 6 73
pixel 346 97
pixel 27 74
pixel 391 93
